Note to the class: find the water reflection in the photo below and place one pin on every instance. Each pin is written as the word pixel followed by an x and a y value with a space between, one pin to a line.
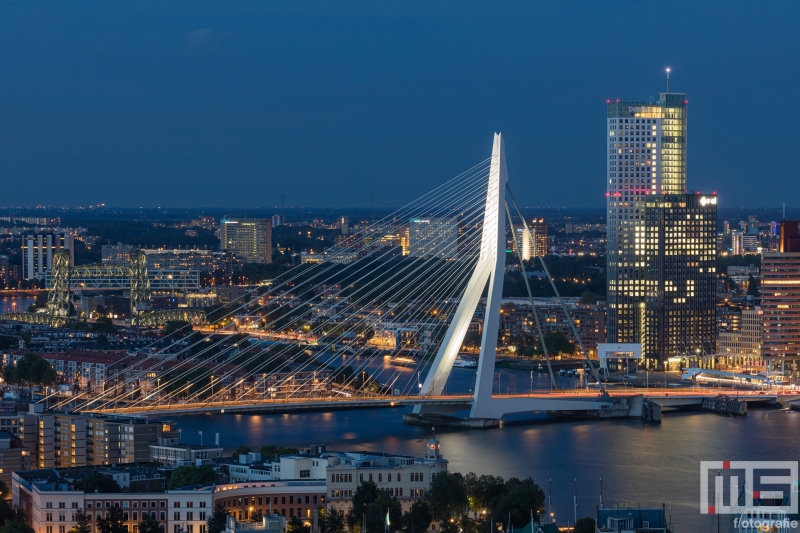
pixel 646 463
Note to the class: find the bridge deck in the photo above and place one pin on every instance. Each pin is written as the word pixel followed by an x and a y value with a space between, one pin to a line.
pixel 571 400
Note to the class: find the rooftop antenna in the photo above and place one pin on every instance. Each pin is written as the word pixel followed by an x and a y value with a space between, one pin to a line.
pixel 668 69
pixel 784 210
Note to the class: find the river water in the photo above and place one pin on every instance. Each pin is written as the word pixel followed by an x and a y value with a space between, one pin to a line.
pixel 646 463
pixel 10 304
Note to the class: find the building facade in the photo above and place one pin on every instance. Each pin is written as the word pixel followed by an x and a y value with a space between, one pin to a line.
pixel 433 237
pixel 646 155
pixel 406 478
pixel 116 254
pixel 48 498
pixel 288 499
pixel 538 227
pixel 780 301
pixel 742 347
pixel 74 441
pixel 679 250
pixel 38 252
pixel 250 239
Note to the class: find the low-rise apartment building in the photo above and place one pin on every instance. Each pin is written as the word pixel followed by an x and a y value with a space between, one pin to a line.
pixel 48 498
pixel 13 456
pixel 406 478
pixel 174 454
pixel 57 440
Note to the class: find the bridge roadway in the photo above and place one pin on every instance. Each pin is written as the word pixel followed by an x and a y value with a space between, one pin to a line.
pixel 504 404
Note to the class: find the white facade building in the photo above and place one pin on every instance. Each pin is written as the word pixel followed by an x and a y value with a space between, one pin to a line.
pixel 743 347
pixel 406 478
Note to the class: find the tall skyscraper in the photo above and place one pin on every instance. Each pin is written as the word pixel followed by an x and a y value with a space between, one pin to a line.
pixel 250 239
pixel 646 156
pixel 38 252
pixel 538 227
pixel 680 252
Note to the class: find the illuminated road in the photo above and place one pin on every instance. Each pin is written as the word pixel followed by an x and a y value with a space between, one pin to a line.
pixel 539 400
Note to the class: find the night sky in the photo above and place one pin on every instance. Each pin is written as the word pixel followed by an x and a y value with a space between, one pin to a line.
pixel 235 103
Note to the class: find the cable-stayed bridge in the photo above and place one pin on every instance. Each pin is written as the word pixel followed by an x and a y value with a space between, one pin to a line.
pixel 406 289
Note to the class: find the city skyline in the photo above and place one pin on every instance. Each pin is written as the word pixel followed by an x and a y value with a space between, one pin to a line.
pixel 327 108
pixel 262 271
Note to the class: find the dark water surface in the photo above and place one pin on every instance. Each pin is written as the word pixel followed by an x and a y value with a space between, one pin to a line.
pixel 9 304
pixel 656 463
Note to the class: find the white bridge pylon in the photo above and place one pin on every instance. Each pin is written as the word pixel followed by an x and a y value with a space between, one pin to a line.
pixel 489 268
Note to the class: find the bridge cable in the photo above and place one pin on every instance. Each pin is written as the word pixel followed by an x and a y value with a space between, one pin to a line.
pixel 558 295
pixel 530 298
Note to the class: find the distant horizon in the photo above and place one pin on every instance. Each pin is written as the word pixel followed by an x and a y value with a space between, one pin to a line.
pixel 276 210
pixel 248 102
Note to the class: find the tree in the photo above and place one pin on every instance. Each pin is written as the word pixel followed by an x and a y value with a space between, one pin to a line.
pixel 82 523
pixel 185 476
pixel 270 450
pixel 149 524
pixel 100 310
pixel 363 497
pixel 557 343
pixel 296 525
pixel 376 513
pixel 472 340
pixel 334 520
pixel 521 497
pixel 97 482
pixel 591 297
pixel 256 515
pixel 16 526
pixel 3 489
pixel 241 450
pixel 104 325
pixel 752 287
pixel 371 503
pixel 484 492
pixel 585 525
pixel 30 370
pixel 112 522
pixel 9 513
pixel 218 519
pixel 180 326
pixel 447 496
pixel 7 342
pixel 418 519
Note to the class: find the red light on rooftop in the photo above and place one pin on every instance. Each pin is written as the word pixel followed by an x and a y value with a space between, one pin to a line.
pixel 686 102
pixel 617 100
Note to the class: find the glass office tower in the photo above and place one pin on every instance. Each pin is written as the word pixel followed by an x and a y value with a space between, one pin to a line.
pixel 680 250
pixel 646 155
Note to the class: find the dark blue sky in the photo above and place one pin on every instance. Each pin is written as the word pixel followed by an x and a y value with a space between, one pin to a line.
pixel 233 103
